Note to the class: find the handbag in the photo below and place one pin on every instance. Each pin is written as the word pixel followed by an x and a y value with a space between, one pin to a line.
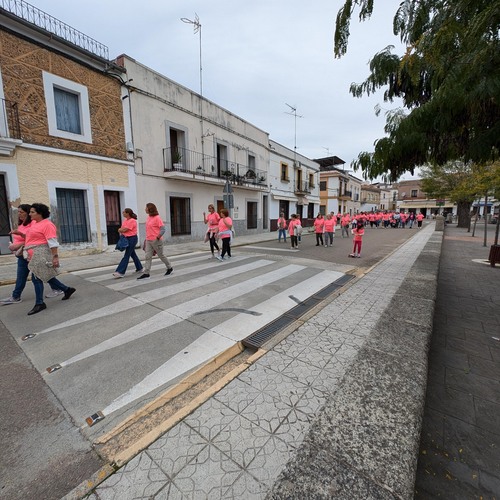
pixel 122 243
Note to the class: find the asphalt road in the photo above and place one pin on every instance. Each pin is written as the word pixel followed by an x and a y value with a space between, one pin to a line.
pixel 122 342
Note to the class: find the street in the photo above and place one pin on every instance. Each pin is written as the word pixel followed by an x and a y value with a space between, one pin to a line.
pixel 118 344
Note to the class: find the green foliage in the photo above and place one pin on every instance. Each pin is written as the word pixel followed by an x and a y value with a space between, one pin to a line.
pixel 448 80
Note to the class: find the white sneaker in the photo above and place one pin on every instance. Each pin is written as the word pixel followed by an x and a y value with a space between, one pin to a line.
pixel 10 300
pixel 118 275
pixel 220 258
pixel 53 293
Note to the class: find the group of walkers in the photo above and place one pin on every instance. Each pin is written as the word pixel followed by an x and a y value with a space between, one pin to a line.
pixel 351 225
pixel 219 227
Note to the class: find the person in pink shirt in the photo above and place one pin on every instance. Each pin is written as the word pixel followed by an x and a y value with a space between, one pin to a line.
pixel 293 232
pixel 420 218
pixel 358 233
pixel 212 219
pixel 225 233
pixel 43 260
pixel 129 230
pixel 345 222
pixel 18 241
pixel 155 229
pixel 329 230
pixel 319 228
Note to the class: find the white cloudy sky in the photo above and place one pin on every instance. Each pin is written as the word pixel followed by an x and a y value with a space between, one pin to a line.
pixel 256 56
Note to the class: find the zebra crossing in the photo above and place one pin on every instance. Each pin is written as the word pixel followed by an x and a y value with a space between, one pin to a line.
pixel 130 339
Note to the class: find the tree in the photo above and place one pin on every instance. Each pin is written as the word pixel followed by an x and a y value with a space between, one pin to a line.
pixel 448 80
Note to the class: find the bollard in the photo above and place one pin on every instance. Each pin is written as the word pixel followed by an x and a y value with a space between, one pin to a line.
pixel 439 223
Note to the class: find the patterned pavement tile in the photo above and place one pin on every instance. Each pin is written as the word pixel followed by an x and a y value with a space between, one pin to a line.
pixel 310 329
pixel 271 460
pixel 277 385
pixel 312 400
pixel 275 360
pixel 176 448
pixel 302 372
pixel 241 440
pixel 211 417
pixel 139 479
pixel 209 476
pixel 328 343
pixel 316 357
pixel 267 412
pixel 294 428
pixel 292 346
pixel 246 487
pixel 328 380
pixel 237 395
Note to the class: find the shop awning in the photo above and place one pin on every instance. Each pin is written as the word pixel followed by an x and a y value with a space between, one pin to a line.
pixel 284 198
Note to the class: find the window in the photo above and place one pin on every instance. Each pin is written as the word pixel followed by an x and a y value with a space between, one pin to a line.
pixel 322 186
pixel 68 111
pixel 180 216
pixel 311 180
pixel 284 172
pixel 72 215
pixel 251 162
pixel 414 193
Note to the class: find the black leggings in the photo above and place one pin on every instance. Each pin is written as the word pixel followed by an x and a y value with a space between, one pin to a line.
pixel 226 247
pixel 213 243
pixel 319 239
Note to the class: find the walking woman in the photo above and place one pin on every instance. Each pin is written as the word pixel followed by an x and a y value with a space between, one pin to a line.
pixel 18 241
pixel 319 228
pixel 43 261
pixel 155 229
pixel 129 230
pixel 212 219
pixel 225 233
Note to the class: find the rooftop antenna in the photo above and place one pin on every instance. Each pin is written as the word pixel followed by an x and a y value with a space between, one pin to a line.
pixel 293 112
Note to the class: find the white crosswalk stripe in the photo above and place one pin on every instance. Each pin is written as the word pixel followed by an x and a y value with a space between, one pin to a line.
pixel 205 306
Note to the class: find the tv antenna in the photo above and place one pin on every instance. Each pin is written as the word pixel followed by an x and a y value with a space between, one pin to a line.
pixel 293 112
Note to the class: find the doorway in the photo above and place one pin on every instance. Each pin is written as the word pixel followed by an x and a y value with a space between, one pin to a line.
pixel 113 215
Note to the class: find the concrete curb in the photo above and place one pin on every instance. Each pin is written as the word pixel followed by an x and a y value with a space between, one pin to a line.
pixel 365 441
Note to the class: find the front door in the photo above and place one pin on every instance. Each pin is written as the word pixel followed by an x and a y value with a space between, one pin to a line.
pixel 113 215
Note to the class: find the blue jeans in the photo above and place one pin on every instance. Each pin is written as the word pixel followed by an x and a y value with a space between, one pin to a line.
pixel 282 232
pixel 54 283
pixel 129 252
pixel 21 278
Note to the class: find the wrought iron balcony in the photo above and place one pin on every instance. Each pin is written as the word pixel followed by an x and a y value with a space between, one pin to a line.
pixel 9 120
pixel 302 187
pixel 35 16
pixel 200 165
pixel 346 195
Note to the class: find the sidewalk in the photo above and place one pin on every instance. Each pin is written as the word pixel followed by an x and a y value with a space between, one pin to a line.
pixel 460 444
pixel 334 409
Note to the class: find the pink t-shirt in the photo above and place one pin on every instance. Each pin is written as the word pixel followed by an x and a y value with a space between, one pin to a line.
pixel 16 239
pixel 40 232
pixel 213 221
pixel 153 225
pixel 131 225
pixel 319 225
pixel 223 227
pixel 329 225
pixel 358 233
pixel 291 226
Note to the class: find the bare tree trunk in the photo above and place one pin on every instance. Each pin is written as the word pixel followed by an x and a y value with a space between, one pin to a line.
pixel 463 213
pixel 496 231
pixel 475 219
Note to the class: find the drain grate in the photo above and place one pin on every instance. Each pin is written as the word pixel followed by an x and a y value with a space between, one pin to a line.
pixel 260 337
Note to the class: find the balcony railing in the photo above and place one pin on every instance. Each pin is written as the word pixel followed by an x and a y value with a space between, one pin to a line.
pixel 9 120
pixel 43 20
pixel 302 187
pixel 198 164
pixel 346 194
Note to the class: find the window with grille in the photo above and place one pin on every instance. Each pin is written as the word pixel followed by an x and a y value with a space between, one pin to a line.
pixel 180 216
pixel 72 216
